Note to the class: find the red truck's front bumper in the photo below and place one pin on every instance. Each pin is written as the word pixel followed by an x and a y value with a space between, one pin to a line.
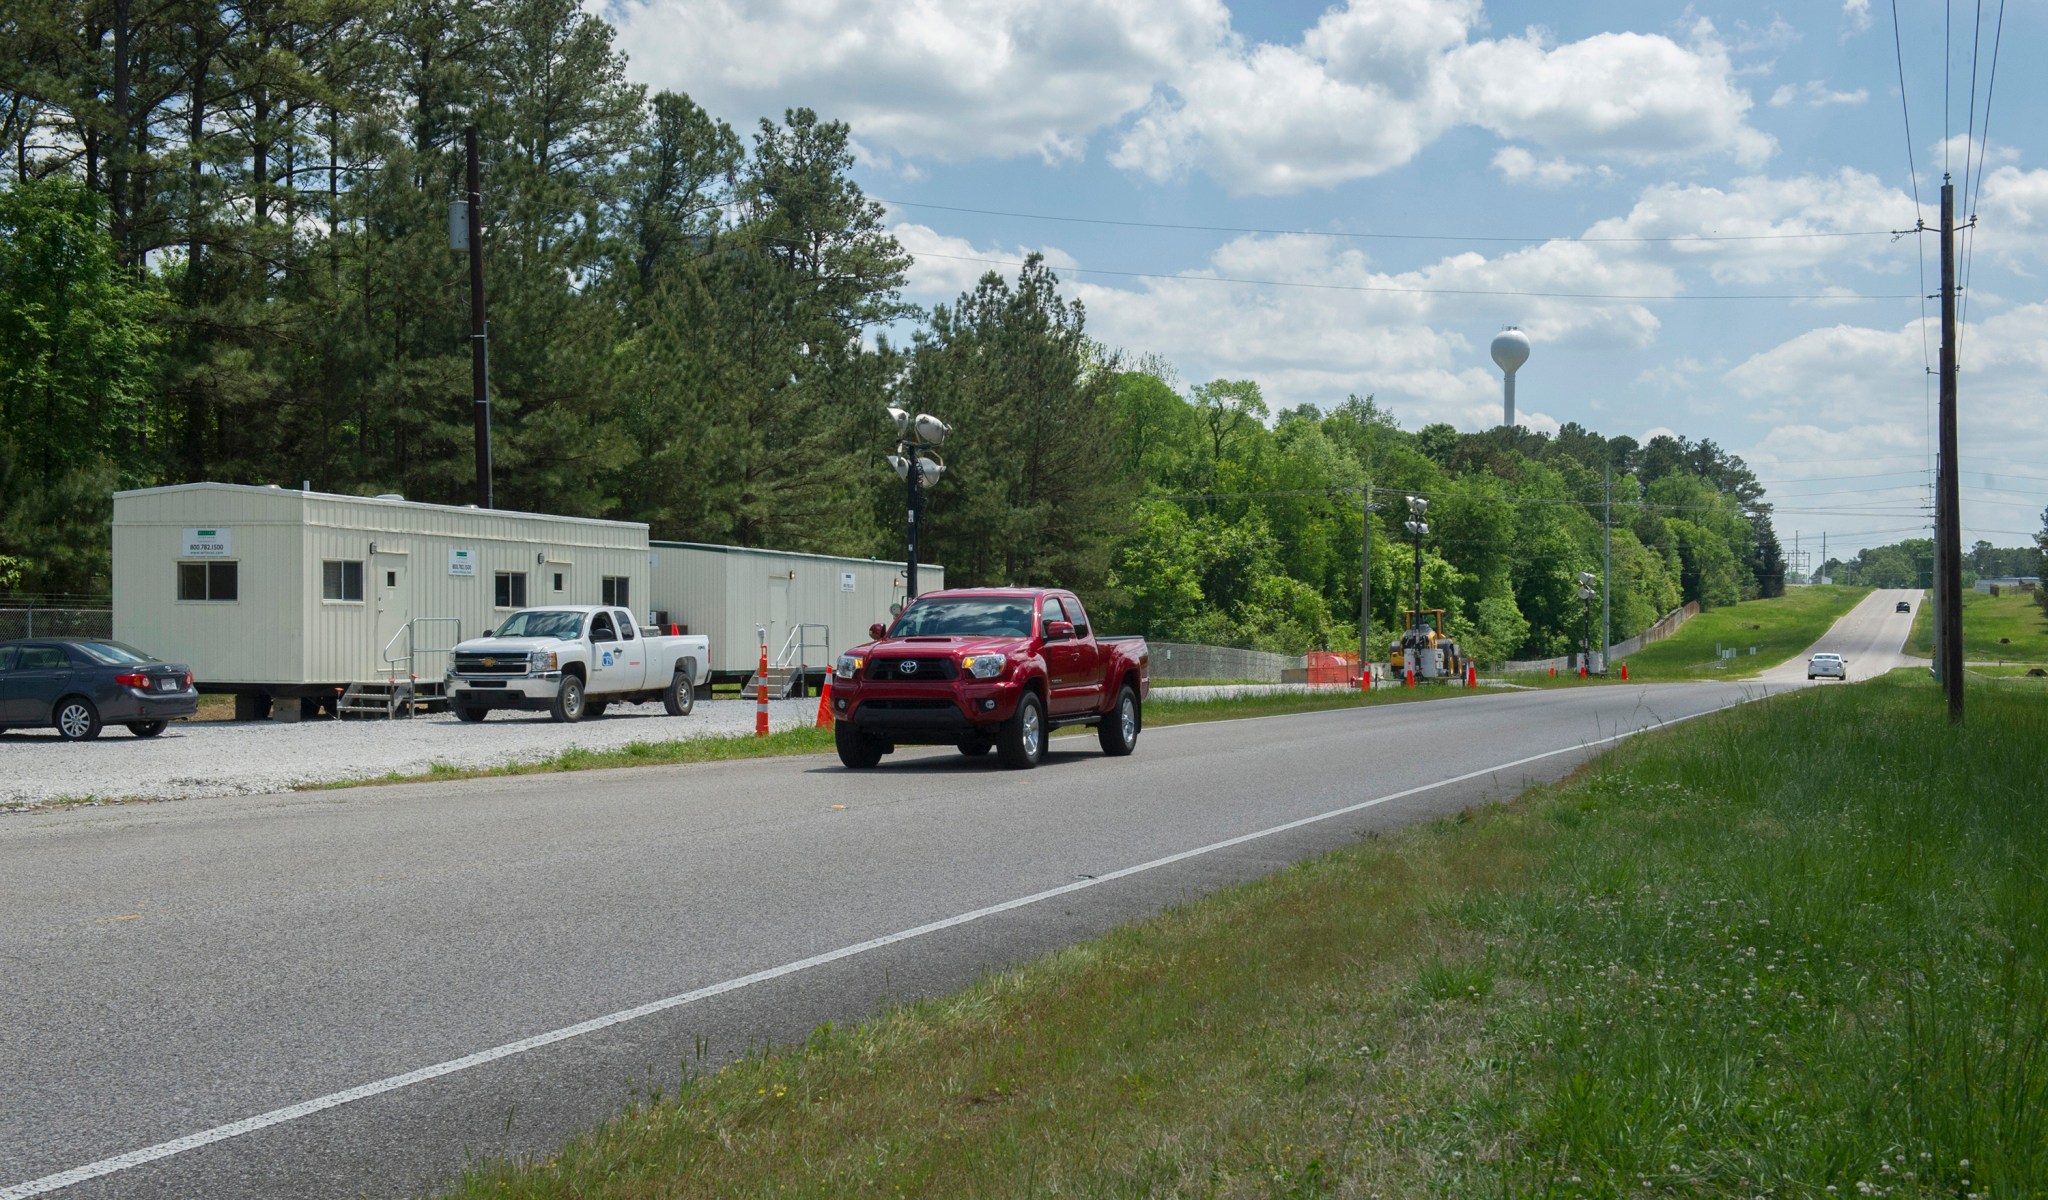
pixel 935 714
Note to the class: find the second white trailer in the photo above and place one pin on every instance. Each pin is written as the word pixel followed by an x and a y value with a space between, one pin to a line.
pixel 812 606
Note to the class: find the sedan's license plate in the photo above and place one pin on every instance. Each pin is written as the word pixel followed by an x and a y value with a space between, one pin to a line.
pixel 167 685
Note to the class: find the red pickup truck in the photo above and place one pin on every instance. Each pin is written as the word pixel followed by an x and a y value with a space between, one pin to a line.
pixel 988 669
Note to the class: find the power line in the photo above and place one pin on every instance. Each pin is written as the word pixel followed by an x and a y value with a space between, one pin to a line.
pixel 1389 288
pixel 1919 243
pixel 1394 237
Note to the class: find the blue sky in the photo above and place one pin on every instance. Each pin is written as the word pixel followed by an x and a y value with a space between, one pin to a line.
pixel 1510 148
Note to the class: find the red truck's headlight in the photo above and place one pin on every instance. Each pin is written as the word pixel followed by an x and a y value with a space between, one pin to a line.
pixel 984 666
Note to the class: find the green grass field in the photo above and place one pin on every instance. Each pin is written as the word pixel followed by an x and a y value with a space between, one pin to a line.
pixel 1779 628
pixel 1795 950
pixel 1986 618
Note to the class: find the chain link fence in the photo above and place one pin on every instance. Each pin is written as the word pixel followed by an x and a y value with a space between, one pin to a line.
pixel 1181 660
pixel 54 621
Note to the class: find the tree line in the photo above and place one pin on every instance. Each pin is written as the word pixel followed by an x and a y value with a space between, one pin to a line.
pixel 224 255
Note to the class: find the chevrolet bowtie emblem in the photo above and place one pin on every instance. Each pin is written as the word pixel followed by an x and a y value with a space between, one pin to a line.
pixel 490 662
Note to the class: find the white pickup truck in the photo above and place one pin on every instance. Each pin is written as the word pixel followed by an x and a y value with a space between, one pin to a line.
pixel 571 661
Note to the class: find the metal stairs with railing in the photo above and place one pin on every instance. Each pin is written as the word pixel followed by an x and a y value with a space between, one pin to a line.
pixel 389 698
pixel 783 682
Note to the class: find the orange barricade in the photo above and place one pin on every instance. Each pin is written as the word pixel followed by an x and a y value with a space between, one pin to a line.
pixel 1331 667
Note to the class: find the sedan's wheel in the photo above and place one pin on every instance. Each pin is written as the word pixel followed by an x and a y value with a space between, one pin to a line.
pixel 856 749
pixel 1021 742
pixel 146 728
pixel 470 714
pixel 77 720
pixel 568 704
pixel 681 694
pixel 1118 732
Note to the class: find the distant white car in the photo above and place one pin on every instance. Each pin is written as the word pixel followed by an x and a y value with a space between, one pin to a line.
pixel 1827 665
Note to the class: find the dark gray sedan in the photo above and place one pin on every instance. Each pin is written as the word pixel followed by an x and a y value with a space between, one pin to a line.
pixel 83 686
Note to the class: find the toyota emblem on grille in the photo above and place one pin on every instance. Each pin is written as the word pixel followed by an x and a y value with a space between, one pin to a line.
pixel 908 666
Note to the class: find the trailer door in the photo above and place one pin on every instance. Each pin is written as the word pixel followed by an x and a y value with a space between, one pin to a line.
pixel 394 609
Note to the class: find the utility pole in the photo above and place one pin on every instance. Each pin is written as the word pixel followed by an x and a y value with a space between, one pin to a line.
pixel 1607 572
pixel 1948 538
pixel 1365 590
pixel 479 344
pixel 1824 576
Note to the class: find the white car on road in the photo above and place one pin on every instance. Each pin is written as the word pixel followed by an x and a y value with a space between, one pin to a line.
pixel 1827 666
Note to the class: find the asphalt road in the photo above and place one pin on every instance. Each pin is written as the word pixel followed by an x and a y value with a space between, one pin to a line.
pixel 1871 636
pixel 352 993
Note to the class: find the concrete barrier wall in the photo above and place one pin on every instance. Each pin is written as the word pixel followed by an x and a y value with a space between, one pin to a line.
pixel 1666 626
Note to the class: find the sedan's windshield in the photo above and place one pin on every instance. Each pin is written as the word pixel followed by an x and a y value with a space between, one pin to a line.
pixel 113 654
pixel 987 616
pixel 542 623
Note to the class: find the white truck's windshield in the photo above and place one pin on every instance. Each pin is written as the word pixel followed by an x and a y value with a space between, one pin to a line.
pixel 542 623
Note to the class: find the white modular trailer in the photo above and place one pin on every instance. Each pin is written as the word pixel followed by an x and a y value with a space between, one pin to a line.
pixel 728 591
pixel 271 591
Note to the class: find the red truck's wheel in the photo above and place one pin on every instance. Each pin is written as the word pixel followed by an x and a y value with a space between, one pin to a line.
pixel 1021 741
pixel 1118 732
pixel 856 749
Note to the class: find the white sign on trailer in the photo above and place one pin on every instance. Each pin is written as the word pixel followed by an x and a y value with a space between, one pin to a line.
pixel 461 562
pixel 846 581
pixel 208 543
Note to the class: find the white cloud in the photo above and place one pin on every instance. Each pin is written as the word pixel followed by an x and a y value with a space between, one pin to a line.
pixel 1855 16
pixel 947 79
pixel 1774 215
pixel 1364 90
pixel 1369 86
pixel 1517 165
pixel 1817 94
pixel 945 266
pixel 1857 396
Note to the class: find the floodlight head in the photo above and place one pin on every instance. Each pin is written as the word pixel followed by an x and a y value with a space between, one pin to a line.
pixel 1418 528
pixel 1417 505
pixel 930 430
pixel 1587 579
pixel 901 464
pixel 929 469
pixel 902 420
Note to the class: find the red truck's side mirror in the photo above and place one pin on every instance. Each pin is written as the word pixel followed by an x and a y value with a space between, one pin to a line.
pixel 878 631
pixel 1058 631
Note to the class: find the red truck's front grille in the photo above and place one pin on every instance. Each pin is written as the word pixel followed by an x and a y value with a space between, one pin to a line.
pixel 918 668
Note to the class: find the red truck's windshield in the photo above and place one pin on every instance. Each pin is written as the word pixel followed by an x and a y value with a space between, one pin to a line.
pixel 980 616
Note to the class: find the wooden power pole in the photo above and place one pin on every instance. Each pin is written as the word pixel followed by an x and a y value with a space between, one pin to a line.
pixel 1948 534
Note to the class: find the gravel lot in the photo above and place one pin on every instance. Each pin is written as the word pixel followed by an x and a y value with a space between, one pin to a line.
pixel 225 758
pixel 251 758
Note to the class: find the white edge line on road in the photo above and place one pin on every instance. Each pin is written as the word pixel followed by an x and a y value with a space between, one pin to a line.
pixel 306 1108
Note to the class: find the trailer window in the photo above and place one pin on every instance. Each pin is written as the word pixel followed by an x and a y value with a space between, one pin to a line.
pixel 511 589
pixel 558 581
pixel 341 580
pixel 217 581
pixel 615 592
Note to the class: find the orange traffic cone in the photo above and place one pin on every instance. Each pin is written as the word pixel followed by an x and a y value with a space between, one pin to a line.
pixel 1410 675
pixel 1471 675
pixel 761 696
pixel 825 703
pixel 1624 672
pixel 1553 671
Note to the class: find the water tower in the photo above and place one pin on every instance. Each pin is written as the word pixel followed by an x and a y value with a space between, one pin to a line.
pixel 1510 351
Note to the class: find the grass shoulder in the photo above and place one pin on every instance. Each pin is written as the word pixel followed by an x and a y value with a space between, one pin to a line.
pixel 1723 960
pixel 2009 628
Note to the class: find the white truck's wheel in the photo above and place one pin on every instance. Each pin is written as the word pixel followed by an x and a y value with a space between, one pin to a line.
pixel 681 695
pixel 568 704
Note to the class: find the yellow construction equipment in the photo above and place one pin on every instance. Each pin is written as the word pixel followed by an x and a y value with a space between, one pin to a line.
pixel 1425 648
